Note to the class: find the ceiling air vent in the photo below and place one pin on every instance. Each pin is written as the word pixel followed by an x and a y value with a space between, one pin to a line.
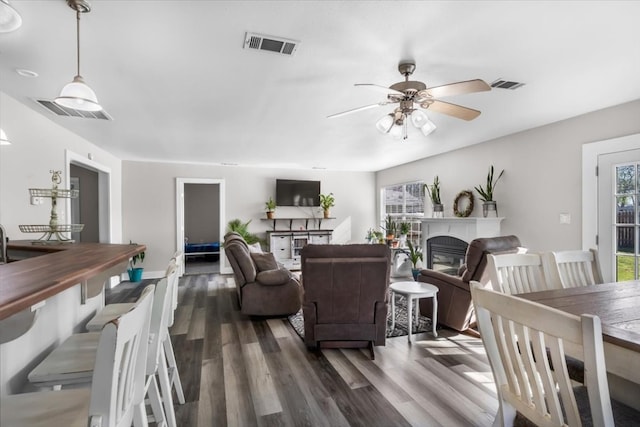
pixel 270 44
pixel 504 84
pixel 59 110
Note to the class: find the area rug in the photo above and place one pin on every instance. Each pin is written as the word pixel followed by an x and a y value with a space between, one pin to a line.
pixel 424 323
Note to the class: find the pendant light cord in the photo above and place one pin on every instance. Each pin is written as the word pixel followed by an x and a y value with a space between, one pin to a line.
pixel 78 39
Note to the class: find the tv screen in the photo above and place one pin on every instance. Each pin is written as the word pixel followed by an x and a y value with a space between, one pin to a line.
pixel 291 192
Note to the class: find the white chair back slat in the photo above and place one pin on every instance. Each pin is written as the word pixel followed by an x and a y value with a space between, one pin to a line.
pixel 516 273
pixel 523 339
pixel 119 373
pixel 575 268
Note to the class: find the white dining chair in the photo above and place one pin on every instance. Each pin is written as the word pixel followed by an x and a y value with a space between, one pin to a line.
pixel 72 362
pixel 523 340
pixel 516 273
pixel 116 395
pixel 573 268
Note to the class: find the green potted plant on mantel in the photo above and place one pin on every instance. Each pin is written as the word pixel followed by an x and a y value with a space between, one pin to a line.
pixel 489 206
pixel 270 207
pixel 327 201
pixel 135 273
pixel 434 194
pixel 415 255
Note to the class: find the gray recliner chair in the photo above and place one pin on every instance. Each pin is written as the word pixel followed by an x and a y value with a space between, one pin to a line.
pixel 264 287
pixel 455 307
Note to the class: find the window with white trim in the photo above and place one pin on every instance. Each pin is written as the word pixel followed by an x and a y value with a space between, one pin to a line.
pixel 405 203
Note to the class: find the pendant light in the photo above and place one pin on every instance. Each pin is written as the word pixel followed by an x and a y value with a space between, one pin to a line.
pixel 10 19
pixel 77 94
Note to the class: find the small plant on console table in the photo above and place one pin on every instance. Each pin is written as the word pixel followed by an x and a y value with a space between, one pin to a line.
pixel 135 273
pixel 270 207
pixel 486 194
pixel 415 255
pixel 327 201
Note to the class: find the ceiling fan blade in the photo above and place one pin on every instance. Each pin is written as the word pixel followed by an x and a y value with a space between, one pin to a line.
pixel 454 110
pixel 355 110
pixel 458 88
pixel 383 89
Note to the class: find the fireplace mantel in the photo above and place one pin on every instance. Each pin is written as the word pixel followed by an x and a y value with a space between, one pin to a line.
pixel 465 229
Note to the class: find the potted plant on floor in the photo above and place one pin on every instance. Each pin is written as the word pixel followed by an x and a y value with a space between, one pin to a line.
pixel 415 255
pixel 489 206
pixel 270 207
pixel 327 201
pixel 135 273
pixel 242 228
pixel 434 194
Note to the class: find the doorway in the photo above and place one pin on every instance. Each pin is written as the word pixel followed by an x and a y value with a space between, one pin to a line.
pixel 200 224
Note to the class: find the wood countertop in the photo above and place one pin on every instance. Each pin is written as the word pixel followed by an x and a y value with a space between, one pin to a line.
pixel 32 280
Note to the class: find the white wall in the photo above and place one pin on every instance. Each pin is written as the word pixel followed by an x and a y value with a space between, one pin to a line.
pixel 150 211
pixel 38 146
pixel 542 179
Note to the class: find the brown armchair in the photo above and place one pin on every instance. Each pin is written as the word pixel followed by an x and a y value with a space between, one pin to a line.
pixel 264 287
pixel 455 307
pixel 345 295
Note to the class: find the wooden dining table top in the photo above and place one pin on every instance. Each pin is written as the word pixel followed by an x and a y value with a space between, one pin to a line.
pixel 616 304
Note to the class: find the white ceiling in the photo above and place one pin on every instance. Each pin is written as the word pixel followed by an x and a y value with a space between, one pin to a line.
pixel 180 87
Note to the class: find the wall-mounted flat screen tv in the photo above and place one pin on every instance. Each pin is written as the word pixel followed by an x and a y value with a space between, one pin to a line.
pixel 290 192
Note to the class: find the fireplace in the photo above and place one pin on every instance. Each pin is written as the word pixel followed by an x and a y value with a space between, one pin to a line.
pixel 445 254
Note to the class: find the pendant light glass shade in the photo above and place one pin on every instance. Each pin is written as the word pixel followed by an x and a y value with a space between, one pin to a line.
pixel 79 96
pixel 10 19
pixel 3 138
pixel 385 123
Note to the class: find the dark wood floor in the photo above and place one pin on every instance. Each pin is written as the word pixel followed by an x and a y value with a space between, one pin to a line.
pixel 242 371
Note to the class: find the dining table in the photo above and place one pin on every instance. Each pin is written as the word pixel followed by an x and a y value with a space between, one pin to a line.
pixel 617 304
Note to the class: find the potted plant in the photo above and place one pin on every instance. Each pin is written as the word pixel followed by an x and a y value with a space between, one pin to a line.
pixel 390 227
pixel 415 255
pixel 486 194
pixel 242 228
pixel 270 207
pixel 434 194
pixel 135 273
pixel 404 228
pixel 327 201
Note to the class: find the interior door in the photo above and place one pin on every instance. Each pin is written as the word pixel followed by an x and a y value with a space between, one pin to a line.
pixel 619 214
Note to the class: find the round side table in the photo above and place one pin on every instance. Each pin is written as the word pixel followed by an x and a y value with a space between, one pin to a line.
pixel 414 291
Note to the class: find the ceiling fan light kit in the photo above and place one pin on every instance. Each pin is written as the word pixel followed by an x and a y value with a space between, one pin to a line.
pixel 10 19
pixel 77 94
pixel 411 95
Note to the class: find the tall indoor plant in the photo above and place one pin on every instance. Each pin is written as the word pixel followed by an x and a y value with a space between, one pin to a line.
pixel 489 206
pixel 434 194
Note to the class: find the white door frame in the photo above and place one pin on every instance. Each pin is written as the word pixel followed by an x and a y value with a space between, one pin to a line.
pixel 590 154
pixel 104 192
pixel 180 182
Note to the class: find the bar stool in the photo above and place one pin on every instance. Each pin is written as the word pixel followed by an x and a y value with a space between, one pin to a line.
pixel 115 397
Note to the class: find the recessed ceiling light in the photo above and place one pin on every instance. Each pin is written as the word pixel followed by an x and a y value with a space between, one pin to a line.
pixel 228 164
pixel 318 167
pixel 26 73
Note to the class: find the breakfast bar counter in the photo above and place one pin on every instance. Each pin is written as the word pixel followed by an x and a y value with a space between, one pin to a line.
pixel 30 281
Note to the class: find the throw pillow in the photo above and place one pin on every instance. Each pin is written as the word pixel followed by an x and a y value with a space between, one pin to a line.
pixel 264 261
pixel 255 248
pixel 278 276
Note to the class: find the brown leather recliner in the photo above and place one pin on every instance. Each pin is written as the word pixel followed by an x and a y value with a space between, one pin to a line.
pixel 345 295
pixel 455 307
pixel 264 287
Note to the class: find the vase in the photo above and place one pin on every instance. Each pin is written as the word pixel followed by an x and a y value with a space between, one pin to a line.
pixel 490 209
pixel 135 274
pixel 438 211
pixel 327 213
pixel 270 215
pixel 415 272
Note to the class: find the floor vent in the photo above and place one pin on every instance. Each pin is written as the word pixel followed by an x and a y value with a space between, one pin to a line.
pixel 505 84
pixel 270 44
pixel 59 110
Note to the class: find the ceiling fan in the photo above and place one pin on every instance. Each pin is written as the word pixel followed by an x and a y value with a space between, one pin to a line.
pixel 411 94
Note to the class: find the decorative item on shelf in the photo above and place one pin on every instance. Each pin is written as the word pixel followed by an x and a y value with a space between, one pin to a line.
pixel 457 204
pixel 52 231
pixel 489 206
pixel 434 195
pixel 270 207
pixel 403 228
pixel 327 201
pixel 415 255
pixel 390 228
pixel 135 273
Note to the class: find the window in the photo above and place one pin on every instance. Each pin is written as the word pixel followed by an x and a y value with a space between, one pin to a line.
pixel 405 203
pixel 627 221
